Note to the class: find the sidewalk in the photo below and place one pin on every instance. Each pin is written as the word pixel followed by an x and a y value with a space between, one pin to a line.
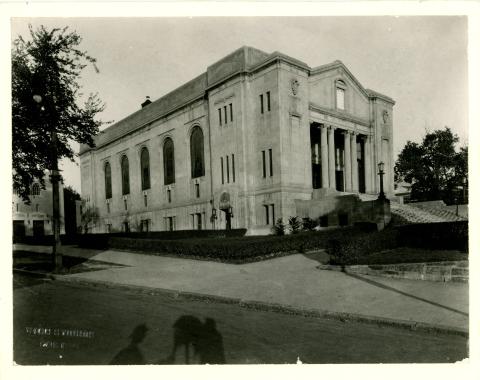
pixel 292 281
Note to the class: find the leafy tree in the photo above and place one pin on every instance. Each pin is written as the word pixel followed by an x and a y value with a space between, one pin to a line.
pixel 69 197
pixel 434 168
pixel 45 96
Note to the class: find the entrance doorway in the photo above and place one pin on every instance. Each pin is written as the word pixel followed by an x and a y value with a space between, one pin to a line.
pixel 315 137
pixel 38 228
pixel 228 218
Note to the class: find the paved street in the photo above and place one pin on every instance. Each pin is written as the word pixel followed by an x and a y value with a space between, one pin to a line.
pixel 58 323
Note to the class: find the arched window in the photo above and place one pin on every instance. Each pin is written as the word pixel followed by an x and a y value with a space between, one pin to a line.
pixel 108 181
pixel 125 176
pixel 145 168
pixel 340 93
pixel 35 189
pixel 168 162
pixel 196 153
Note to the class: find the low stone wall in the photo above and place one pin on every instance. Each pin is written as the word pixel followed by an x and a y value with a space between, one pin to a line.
pixel 443 271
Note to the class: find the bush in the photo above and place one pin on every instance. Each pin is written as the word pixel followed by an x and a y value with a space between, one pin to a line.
pixel 448 235
pixel 279 228
pixel 233 249
pixel 348 250
pixel 309 224
pixel 294 224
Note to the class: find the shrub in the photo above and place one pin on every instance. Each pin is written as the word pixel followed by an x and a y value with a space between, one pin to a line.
pixel 348 250
pixel 309 224
pixel 294 224
pixel 279 228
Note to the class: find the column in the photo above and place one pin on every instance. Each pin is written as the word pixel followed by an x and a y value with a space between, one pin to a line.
pixel 324 152
pixel 354 162
pixel 347 160
pixel 331 157
pixel 368 165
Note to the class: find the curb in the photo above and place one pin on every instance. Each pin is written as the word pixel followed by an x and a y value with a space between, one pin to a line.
pixel 262 306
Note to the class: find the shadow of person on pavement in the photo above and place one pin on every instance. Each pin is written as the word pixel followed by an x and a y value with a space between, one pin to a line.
pixel 132 354
pixel 195 342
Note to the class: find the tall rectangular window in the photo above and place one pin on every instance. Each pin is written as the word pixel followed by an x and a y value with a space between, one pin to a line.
pixel 261 103
pixel 108 208
pixel 273 213
pixel 145 200
pixel 221 165
pixel 225 114
pixel 125 204
pixel 197 190
pixel 220 116
pixel 228 171
pixel 340 98
pixel 231 112
pixel 263 165
pixel 267 216
pixel 169 196
pixel 270 162
pixel 233 168
pixel 199 221
pixel 268 100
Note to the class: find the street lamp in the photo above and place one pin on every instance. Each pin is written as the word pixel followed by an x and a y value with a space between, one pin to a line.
pixel 55 178
pixel 381 173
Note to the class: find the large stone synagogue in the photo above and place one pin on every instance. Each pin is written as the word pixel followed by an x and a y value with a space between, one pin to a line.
pixel 255 138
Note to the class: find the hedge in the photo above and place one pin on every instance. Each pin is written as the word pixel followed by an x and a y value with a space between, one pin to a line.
pixel 232 249
pixel 348 250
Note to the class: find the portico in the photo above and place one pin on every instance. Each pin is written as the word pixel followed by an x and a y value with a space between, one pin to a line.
pixel 341 158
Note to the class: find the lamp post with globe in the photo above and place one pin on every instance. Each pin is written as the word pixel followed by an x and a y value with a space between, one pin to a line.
pixel 55 178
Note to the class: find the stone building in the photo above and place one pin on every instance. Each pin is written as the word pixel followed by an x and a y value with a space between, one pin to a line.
pixel 35 219
pixel 255 138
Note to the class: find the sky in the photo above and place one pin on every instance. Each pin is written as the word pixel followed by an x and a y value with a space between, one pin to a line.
pixel 419 61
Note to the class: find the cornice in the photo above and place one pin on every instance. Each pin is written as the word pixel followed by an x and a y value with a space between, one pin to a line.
pixel 339 115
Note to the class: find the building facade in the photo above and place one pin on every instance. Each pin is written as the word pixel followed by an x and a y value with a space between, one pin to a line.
pixel 35 219
pixel 255 138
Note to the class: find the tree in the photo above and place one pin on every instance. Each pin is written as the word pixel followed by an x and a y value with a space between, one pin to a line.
pixel 434 168
pixel 45 96
pixel 70 196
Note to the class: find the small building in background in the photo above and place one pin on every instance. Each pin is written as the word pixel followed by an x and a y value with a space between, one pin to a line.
pixel 35 219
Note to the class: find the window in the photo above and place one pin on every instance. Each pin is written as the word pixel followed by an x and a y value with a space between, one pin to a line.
pixel 231 112
pixel 168 162
pixel 145 200
pixel 17 207
pixel 268 100
pixel 263 165
pixel 261 103
pixel 108 208
pixel 221 165
pixel 125 204
pixel 36 207
pixel 228 171
pixel 108 228
pixel 272 207
pixel 197 190
pixel 270 162
pixel 108 181
pixel 199 221
pixel 125 176
pixel 226 118
pixel 144 225
pixel 220 116
pixel 126 227
pixel 196 153
pixel 267 216
pixel 145 168
pixel 35 189
pixel 233 168
pixel 340 93
pixel 169 196
pixel 170 223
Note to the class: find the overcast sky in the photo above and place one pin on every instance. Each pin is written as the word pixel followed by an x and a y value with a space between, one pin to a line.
pixel 421 62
